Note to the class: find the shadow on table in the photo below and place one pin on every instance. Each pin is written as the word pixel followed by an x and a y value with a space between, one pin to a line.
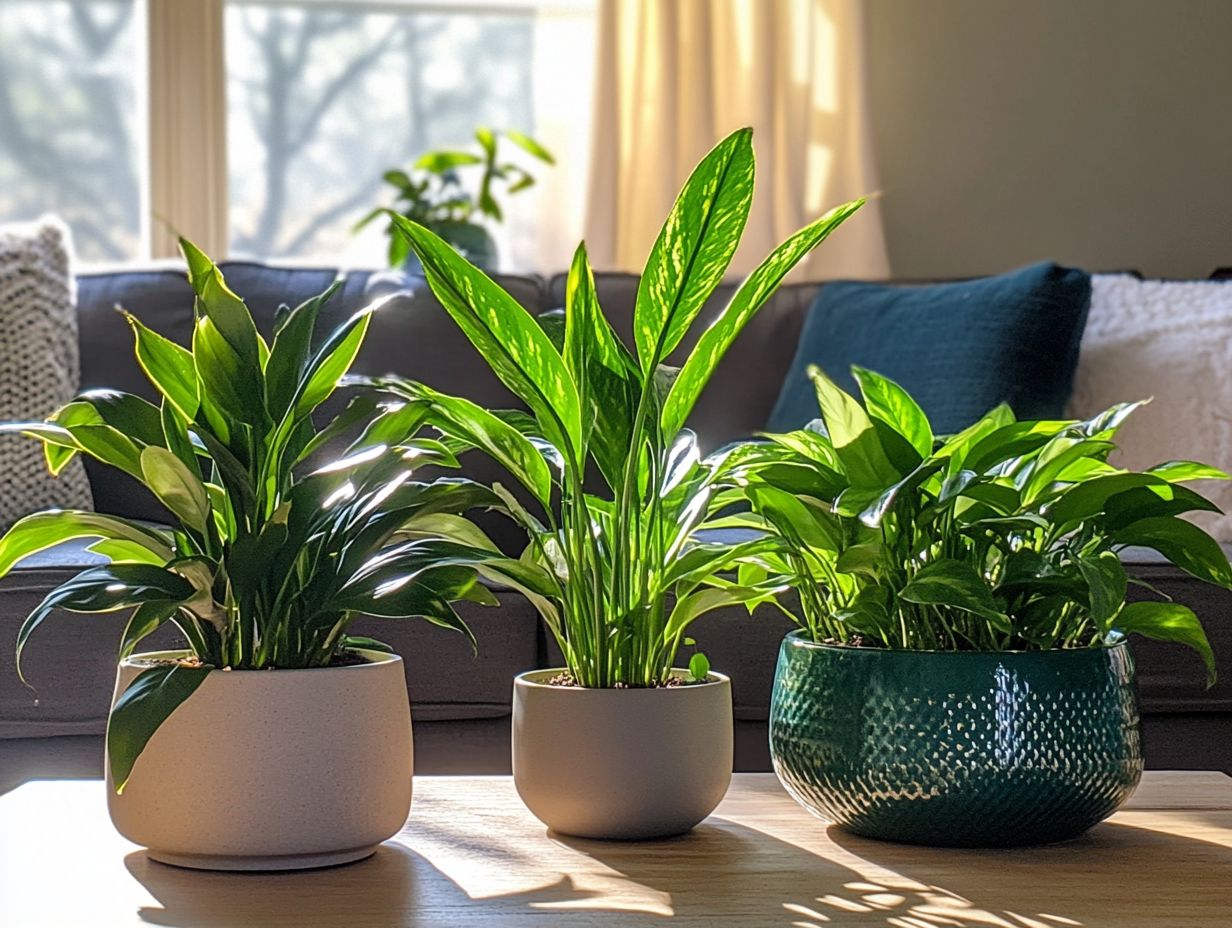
pixel 394 887
pixel 724 873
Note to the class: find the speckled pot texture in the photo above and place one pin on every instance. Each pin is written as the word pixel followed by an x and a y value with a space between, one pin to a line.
pixel 975 749
pixel 621 763
pixel 273 769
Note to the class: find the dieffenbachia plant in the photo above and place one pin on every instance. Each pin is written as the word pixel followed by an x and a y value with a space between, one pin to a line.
pixel 1004 536
pixel 268 559
pixel 615 567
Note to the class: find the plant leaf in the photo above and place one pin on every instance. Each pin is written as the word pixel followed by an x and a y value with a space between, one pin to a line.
pixel 954 584
pixel 1169 622
pixel 751 295
pixel 855 439
pixel 694 248
pixel 1181 542
pixel 147 702
pixel 506 335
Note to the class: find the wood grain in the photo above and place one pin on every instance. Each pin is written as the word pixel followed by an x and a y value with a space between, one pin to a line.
pixel 472 857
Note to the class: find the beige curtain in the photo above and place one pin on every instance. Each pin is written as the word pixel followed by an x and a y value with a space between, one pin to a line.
pixel 675 76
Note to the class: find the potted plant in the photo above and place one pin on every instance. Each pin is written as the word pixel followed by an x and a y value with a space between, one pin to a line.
pixel 274 739
pixel 432 194
pixel 961 675
pixel 619 742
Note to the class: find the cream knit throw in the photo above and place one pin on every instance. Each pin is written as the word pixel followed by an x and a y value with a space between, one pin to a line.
pixel 1171 341
pixel 39 368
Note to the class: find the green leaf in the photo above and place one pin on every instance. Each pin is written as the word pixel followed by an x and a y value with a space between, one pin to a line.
pixel 1169 622
pixel 460 418
pixel 529 145
pixel 511 342
pixel 45 530
pixel 438 162
pixel 804 525
pixel 750 297
pixel 1106 582
pixel 224 309
pixel 854 437
pixel 694 248
pixel 147 702
pixel 603 371
pixel 226 378
pixel 331 362
pixel 1089 498
pixel 889 403
pixel 106 589
pixel 954 584
pixel 288 360
pixel 176 487
pixel 1181 542
pixel 145 620
pixel 956 448
pixel 699 666
pixel 1178 471
pixel 168 366
pixel 368 644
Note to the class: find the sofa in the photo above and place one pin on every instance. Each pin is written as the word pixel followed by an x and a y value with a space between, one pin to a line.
pixel 461 701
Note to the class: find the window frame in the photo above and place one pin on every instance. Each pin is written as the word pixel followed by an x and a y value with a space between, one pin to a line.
pixel 185 111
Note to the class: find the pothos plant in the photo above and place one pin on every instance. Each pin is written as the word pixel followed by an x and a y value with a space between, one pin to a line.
pixel 433 195
pixel 1004 536
pixel 616 568
pixel 268 560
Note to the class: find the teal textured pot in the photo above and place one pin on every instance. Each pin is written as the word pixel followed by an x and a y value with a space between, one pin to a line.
pixel 964 748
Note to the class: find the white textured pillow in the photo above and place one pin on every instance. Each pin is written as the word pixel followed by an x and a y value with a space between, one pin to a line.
pixel 1171 340
pixel 39 369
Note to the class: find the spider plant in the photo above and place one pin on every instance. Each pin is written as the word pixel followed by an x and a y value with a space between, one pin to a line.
pixel 1003 537
pixel 268 560
pixel 615 566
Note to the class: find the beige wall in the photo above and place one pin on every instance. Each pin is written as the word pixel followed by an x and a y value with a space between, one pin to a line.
pixel 1095 132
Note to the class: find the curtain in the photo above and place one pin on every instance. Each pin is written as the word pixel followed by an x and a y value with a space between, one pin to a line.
pixel 675 76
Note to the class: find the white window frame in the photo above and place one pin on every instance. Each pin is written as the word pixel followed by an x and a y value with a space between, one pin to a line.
pixel 186 113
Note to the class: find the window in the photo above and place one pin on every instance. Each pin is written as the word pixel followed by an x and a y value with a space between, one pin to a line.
pixel 321 97
pixel 70 142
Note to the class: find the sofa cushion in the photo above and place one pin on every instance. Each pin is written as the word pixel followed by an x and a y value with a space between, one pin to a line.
pixel 70 659
pixel 958 348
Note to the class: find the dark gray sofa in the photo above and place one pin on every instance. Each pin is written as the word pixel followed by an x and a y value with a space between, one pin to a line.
pixel 460 702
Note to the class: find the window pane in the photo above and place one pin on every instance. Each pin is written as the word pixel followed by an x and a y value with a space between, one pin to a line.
pixel 326 95
pixel 68 119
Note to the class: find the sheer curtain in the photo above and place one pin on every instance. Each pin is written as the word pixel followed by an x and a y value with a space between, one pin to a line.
pixel 674 76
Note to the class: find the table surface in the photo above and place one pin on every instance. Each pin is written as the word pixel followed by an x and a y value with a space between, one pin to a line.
pixel 471 855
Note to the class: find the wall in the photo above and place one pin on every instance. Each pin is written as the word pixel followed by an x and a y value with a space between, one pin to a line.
pixel 1095 132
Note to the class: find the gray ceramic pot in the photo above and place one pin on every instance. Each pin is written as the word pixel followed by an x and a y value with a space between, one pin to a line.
pixel 273 770
pixel 621 763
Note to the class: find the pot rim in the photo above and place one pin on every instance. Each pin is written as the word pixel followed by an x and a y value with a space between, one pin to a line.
pixel 526 679
pixel 375 659
pixel 797 638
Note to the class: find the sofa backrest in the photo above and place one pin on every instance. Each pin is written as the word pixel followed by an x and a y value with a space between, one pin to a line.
pixel 412 336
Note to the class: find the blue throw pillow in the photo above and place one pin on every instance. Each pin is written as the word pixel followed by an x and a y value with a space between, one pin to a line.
pixel 958 348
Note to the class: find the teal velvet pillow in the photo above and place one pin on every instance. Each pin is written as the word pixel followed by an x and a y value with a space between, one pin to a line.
pixel 958 348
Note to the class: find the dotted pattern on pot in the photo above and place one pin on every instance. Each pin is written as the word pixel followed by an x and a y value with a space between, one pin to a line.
pixel 957 749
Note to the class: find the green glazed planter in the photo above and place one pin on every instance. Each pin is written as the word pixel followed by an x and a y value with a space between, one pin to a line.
pixel 965 748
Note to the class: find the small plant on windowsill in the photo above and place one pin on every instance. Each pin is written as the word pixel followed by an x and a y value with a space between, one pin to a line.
pixel 962 674
pixel 612 745
pixel 265 567
pixel 432 194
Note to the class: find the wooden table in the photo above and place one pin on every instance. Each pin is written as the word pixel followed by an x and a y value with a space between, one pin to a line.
pixel 471 855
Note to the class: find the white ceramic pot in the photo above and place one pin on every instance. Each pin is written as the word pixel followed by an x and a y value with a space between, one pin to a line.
pixel 273 769
pixel 621 763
